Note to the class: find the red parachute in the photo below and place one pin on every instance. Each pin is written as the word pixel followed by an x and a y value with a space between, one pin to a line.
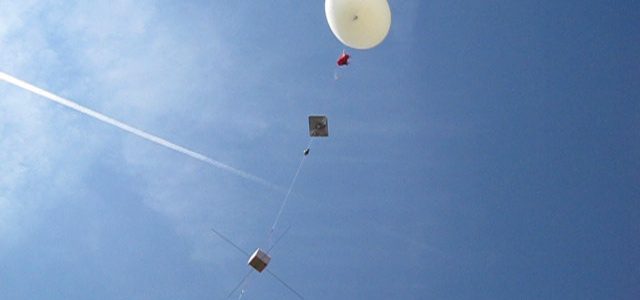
pixel 343 60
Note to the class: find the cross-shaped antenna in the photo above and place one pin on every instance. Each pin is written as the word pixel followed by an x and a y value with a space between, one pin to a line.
pixel 250 271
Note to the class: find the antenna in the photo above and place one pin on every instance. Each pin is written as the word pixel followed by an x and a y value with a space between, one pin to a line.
pixel 285 284
pixel 223 237
pixel 230 242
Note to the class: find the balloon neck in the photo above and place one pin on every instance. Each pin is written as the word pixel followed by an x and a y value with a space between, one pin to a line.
pixel 355 18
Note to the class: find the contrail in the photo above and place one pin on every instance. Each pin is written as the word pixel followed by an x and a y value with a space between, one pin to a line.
pixel 143 134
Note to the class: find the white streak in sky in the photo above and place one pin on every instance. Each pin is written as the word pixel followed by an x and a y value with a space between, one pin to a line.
pixel 147 136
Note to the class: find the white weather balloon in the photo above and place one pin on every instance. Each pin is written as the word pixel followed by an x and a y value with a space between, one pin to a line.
pixel 359 24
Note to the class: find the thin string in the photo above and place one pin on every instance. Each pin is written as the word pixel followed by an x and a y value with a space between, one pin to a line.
pixel 286 197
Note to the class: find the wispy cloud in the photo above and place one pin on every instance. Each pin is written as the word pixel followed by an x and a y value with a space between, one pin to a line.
pixel 132 60
pixel 34 163
pixel 130 129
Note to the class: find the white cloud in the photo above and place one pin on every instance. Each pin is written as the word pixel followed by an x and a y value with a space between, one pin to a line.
pixel 35 165
pixel 12 14
pixel 126 59
pixel 22 128
pixel 44 149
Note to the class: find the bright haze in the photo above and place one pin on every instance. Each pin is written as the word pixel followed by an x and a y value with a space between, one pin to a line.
pixel 484 150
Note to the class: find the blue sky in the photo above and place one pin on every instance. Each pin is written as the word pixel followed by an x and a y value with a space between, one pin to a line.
pixel 485 150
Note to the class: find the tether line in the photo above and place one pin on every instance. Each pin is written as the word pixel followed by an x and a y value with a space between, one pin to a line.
pixel 286 197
